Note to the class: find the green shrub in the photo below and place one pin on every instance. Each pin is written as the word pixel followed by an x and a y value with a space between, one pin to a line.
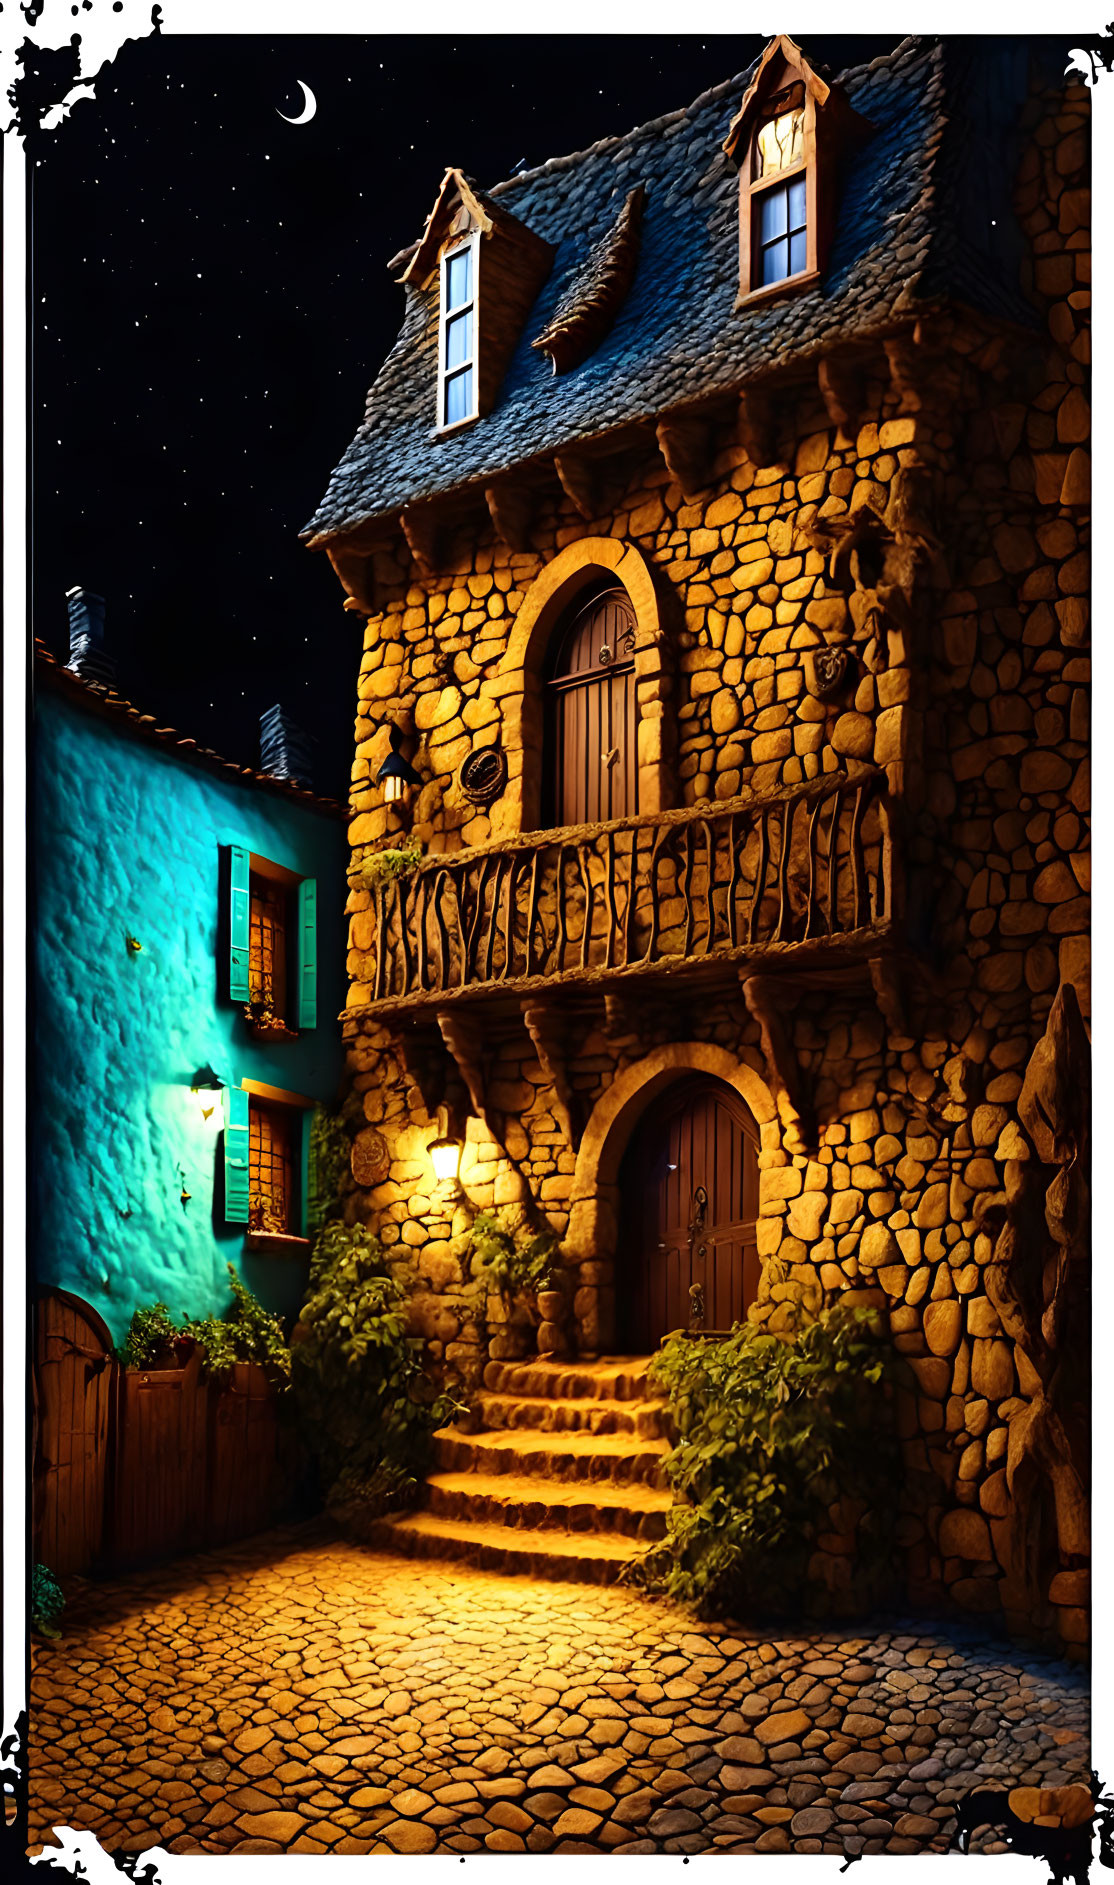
pixel 151 1332
pixel 367 1405
pixel 245 1332
pixel 398 861
pixel 771 1431
pixel 47 1602
pixel 330 1149
pixel 506 1262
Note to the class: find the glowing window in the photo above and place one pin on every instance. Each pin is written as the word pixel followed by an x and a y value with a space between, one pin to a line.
pixel 781 143
pixel 271 1168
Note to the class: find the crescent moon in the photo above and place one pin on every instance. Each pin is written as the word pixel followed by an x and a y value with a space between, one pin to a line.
pixel 309 106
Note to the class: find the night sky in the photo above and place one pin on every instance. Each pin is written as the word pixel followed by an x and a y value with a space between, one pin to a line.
pixel 210 303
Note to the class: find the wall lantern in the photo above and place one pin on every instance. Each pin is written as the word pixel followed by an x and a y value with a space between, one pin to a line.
pixel 205 1082
pixel 445 1155
pixel 396 775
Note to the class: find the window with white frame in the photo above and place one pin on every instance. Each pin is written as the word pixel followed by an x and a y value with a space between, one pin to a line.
pixel 457 385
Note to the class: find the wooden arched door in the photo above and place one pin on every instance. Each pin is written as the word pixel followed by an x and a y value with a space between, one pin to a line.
pixel 689 1201
pixel 592 758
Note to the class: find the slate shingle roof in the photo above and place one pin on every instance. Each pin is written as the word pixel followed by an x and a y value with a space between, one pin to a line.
pixel 923 215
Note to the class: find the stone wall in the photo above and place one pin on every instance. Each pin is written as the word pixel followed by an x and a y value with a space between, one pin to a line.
pixel 924 511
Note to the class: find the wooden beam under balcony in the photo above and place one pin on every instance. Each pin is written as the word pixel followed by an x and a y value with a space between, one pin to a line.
pixel 548 1030
pixel 763 995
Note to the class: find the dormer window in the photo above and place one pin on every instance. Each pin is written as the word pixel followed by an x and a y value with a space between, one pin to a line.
pixel 457 388
pixel 471 360
pixel 787 140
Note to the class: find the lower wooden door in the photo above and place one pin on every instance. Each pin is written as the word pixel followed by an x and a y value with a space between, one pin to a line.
pixel 688 1255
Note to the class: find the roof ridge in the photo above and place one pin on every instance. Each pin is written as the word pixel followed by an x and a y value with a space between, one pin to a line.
pixel 105 700
pixel 651 126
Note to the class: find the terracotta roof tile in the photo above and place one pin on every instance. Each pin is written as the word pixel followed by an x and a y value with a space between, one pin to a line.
pixel 105 701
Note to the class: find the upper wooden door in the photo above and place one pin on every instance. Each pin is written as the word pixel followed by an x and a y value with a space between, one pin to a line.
pixel 689 1201
pixel 593 756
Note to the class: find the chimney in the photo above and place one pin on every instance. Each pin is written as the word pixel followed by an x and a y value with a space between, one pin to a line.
pixel 88 659
pixel 284 749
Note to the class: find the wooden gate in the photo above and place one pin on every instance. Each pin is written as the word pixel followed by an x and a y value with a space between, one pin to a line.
pixel 593 763
pixel 73 1379
pixel 133 1465
pixel 245 1476
pixel 159 1504
pixel 689 1186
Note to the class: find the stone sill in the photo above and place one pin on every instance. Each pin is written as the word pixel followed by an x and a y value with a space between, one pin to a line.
pixel 277 1243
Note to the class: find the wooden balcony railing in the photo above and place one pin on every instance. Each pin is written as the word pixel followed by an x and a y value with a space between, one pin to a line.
pixel 809 866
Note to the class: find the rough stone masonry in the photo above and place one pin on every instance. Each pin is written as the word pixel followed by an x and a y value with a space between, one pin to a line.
pixel 935 535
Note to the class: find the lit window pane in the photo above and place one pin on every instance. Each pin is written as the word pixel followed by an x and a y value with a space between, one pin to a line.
pixel 458 340
pixel 458 279
pixel 797 204
pixel 458 397
pixel 774 206
pixel 781 143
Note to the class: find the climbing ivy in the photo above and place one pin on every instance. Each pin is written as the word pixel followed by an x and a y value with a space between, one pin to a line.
pixel 367 1405
pixel 508 1262
pixel 398 861
pixel 329 1152
pixel 772 1430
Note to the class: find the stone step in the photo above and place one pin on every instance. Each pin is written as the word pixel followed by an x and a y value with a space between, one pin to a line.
pixel 506 1412
pixel 533 1505
pixel 582 1557
pixel 611 1378
pixel 602 1459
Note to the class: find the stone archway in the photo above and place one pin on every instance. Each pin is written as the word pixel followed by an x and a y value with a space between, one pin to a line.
pixel 519 677
pixel 592 1236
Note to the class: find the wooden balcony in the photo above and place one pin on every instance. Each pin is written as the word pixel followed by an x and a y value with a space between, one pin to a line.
pixel 805 874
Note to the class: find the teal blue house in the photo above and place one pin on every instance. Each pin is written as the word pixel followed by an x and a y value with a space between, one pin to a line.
pixel 188 971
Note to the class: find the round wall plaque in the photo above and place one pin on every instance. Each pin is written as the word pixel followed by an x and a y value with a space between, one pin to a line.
pixel 483 775
pixel 830 668
pixel 371 1159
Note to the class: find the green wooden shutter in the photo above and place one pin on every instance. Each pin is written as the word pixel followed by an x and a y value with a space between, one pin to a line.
pixel 307 960
pixel 236 1186
pixel 239 925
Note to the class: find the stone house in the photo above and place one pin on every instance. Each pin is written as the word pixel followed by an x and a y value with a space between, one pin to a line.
pixel 718 521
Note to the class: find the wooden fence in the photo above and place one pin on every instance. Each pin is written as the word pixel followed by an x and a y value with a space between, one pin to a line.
pixel 811 863
pixel 134 1465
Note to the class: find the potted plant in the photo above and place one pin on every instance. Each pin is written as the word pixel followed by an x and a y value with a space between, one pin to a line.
pixel 264 1023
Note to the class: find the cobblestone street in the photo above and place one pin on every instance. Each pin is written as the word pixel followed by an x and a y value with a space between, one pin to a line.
pixel 299 1693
